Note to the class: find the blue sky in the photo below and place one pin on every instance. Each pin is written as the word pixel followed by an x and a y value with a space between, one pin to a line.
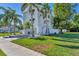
pixel 77 8
pixel 17 6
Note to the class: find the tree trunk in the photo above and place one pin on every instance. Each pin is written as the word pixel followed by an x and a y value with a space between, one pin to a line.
pixel 14 26
pixel 38 21
pixel 61 31
pixel 32 26
pixel 10 29
pixel 32 30
pixel 46 27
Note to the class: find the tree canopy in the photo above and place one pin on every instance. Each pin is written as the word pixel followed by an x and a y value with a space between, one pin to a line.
pixel 63 12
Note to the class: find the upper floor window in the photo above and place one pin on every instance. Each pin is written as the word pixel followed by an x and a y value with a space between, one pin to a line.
pixel 28 32
pixel 33 10
pixel 46 21
pixel 48 16
pixel 30 19
pixel 33 20
pixel 40 14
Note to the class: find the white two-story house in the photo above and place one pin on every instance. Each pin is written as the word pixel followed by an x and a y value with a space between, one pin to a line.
pixel 42 26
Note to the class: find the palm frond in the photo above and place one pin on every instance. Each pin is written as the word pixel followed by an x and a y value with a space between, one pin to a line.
pixel 4 9
pixel 18 15
pixel 24 6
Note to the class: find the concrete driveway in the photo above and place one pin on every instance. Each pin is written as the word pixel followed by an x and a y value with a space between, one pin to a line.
pixel 11 49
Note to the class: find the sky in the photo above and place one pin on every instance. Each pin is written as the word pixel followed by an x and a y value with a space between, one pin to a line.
pixel 17 7
pixel 77 8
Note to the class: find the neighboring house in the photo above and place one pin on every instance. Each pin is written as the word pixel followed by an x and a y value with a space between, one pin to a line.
pixel 39 22
pixel 8 29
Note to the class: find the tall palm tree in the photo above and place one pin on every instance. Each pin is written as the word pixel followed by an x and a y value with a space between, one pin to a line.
pixel 31 5
pixel 37 5
pixel 10 16
pixel 4 17
pixel 31 12
pixel 15 18
pixel 45 11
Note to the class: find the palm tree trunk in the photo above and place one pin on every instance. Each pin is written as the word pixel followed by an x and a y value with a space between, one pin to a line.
pixel 32 31
pixel 38 21
pixel 32 25
pixel 46 27
pixel 10 29
pixel 14 26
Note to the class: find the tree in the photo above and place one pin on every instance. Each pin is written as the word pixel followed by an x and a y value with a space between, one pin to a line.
pixel 63 12
pixel 76 21
pixel 4 17
pixel 27 25
pixel 10 16
pixel 15 19
pixel 31 10
pixel 70 25
pixel 45 11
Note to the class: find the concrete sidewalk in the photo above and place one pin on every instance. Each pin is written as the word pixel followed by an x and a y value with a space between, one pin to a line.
pixel 11 49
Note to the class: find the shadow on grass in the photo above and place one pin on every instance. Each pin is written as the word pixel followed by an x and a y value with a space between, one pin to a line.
pixel 68 40
pixel 72 47
pixel 40 38
pixel 67 35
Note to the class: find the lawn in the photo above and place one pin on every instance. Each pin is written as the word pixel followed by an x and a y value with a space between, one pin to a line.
pixel 2 53
pixel 66 44
pixel 8 33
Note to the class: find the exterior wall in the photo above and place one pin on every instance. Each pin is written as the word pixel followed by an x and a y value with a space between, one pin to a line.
pixel 8 29
pixel 36 22
pixel 54 31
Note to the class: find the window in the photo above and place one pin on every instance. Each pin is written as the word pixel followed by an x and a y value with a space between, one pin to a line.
pixel 40 14
pixel 48 16
pixel 33 10
pixel 30 19
pixel 33 20
pixel 43 17
pixel 28 32
pixel 35 29
pixel 44 21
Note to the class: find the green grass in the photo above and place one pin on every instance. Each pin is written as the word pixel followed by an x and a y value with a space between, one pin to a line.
pixel 2 53
pixel 66 44
pixel 8 33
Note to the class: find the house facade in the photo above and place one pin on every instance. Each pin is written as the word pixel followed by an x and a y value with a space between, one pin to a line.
pixel 42 26
pixel 8 29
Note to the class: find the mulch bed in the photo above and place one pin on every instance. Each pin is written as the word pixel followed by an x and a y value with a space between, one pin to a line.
pixel 42 47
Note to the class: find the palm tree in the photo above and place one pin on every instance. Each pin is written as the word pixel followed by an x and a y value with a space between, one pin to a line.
pixel 45 10
pixel 27 25
pixel 4 18
pixel 31 10
pixel 37 5
pixel 10 16
pixel 15 18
